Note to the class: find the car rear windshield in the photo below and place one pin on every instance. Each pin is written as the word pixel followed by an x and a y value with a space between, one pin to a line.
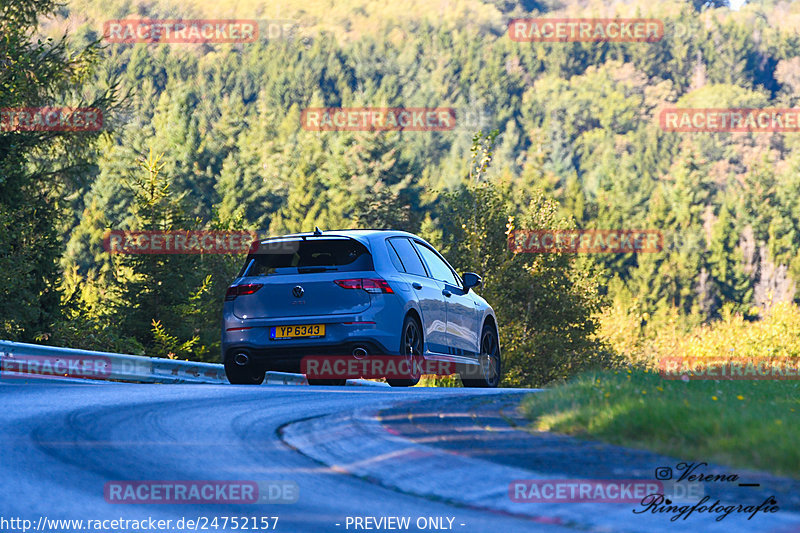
pixel 307 257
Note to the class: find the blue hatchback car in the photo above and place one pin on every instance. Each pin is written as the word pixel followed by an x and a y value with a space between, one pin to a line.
pixel 356 293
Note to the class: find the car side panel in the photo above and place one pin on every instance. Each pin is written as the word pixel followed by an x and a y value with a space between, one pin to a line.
pixel 461 335
pixel 433 308
pixel 462 322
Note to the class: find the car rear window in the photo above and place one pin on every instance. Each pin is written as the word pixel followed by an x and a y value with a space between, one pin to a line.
pixel 307 257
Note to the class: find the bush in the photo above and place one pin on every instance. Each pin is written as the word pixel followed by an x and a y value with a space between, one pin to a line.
pixel 668 334
pixel 546 304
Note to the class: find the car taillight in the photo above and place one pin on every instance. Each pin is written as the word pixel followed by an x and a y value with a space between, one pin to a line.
pixel 241 290
pixel 348 283
pixel 373 285
pixel 376 285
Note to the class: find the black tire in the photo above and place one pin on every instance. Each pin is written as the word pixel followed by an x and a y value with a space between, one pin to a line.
pixel 411 347
pixel 249 374
pixel 488 373
pixel 328 382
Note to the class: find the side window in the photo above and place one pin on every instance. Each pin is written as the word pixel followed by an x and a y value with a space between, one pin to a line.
pixel 394 257
pixel 439 269
pixel 411 261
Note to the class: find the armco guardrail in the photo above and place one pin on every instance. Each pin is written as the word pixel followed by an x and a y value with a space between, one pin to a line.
pixel 20 360
pixel 32 361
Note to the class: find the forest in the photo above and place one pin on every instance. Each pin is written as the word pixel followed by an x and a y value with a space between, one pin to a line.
pixel 547 135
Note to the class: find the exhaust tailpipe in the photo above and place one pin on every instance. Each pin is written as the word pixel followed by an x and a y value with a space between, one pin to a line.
pixel 241 359
pixel 359 352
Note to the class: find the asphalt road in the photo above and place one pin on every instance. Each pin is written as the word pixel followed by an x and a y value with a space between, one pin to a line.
pixel 478 426
pixel 62 443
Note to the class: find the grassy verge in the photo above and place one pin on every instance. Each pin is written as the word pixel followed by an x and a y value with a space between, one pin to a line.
pixel 749 424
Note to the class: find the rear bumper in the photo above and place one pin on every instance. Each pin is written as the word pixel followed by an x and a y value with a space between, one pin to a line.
pixel 288 358
pixel 377 330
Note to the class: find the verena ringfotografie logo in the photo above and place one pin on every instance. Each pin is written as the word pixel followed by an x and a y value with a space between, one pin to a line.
pixel 690 368
pixel 180 31
pixel 730 120
pixel 693 475
pixel 584 30
pixel 51 119
pixel 200 492
pixel 597 241
pixel 178 242
pixel 372 367
pixel 378 119
pixel 24 366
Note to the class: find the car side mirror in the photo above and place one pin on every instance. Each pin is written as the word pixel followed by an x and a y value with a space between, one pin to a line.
pixel 471 280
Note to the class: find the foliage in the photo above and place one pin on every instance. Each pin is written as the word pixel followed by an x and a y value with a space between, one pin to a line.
pixel 575 142
pixel 776 334
pixel 38 167
pixel 546 304
pixel 170 302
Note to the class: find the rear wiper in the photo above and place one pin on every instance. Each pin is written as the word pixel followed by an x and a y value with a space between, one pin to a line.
pixel 309 270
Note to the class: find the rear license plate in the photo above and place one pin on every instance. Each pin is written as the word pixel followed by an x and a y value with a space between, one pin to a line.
pixel 293 332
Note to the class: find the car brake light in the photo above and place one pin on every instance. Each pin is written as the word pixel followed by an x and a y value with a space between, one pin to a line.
pixel 241 290
pixel 373 285
pixel 348 283
pixel 376 285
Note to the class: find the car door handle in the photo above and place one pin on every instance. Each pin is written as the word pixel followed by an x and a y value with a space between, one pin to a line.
pixel 447 293
pixel 416 285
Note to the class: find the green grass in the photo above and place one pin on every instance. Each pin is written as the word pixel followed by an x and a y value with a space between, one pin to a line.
pixel 748 424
